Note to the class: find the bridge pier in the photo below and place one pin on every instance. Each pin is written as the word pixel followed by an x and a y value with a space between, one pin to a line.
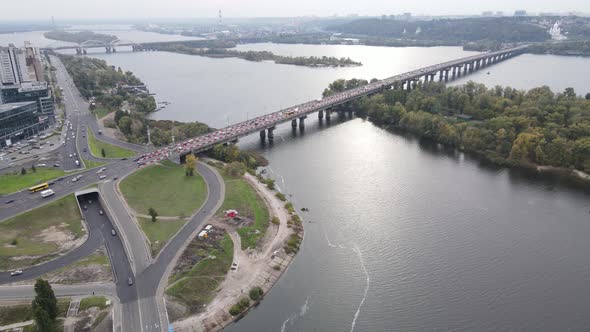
pixel 328 112
pixel 321 114
pixel 454 72
pixel 262 135
pixel 446 74
pixel 440 76
pixel 271 134
pixel 302 122
pixel 294 123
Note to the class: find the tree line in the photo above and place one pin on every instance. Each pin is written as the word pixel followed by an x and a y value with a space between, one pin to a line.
pixel 504 125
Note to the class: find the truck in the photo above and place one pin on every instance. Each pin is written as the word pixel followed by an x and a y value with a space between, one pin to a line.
pixel 47 193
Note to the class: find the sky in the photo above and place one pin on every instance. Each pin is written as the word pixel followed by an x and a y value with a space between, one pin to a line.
pixel 152 9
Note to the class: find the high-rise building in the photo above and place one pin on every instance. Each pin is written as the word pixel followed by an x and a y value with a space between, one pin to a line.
pixel 22 85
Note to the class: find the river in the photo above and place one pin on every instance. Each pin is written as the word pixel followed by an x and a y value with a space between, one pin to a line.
pixel 402 234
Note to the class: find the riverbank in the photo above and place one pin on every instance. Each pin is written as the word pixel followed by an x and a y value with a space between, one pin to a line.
pixel 260 267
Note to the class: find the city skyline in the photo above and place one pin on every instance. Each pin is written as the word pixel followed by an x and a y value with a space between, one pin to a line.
pixel 137 9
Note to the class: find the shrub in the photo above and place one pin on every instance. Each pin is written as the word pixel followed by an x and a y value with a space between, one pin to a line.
pixel 281 196
pixel 14 242
pixel 275 220
pixel 277 267
pixel 255 293
pixel 234 310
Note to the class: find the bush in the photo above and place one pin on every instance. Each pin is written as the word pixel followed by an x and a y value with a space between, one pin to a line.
pixel 255 293
pixel 237 308
pixel 277 267
pixel 281 196
pixel 275 220
pixel 270 184
pixel 234 310
pixel 14 242
pixel 289 207
pixel 244 303
pixel 235 169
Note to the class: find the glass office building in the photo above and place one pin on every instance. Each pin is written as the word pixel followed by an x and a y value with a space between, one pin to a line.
pixel 20 121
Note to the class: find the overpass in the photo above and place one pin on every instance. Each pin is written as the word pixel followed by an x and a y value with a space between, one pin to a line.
pixel 266 124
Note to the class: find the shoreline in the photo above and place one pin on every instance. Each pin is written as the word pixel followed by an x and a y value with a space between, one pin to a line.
pixel 216 315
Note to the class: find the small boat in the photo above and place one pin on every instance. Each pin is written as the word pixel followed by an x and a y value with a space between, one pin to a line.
pixel 488 72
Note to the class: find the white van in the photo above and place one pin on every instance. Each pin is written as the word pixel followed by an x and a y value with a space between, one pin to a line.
pixel 77 163
pixel 47 193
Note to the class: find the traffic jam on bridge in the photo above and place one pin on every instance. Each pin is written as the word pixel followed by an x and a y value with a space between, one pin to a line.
pixel 245 128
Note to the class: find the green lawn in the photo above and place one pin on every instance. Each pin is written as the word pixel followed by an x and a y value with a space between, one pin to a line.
pixel 101 112
pixel 111 151
pixel 23 312
pixel 27 228
pixel 160 232
pixel 166 189
pixel 10 183
pixel 93 164
pixel 196 286
pixel 241 196
pixel 93 301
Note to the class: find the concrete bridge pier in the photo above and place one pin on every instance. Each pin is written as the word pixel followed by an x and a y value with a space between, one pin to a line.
pixel 432 75
pixel 271 134
pixel 440 76
pixel 446 74
pixel 409 85
pixel 459 70
pixel 302 122
pixel 294 123
pixel 328 112
pixel 465 69
pixel 262 135
pixel 108 49
pixel 454 72
pixel 321 114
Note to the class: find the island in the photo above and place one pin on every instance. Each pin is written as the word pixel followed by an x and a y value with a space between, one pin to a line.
pixel 78 37
pixel 258 56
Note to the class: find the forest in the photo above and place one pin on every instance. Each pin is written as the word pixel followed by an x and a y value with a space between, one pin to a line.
pixel 457 31
pixel 507 126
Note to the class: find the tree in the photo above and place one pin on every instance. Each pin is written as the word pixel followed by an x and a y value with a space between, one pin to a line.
pixel 255 293
pixel 33 168
pixel 152 212
pixel 23 171
pixel 125 124
pixel 42 319
pixel 588 96
pixel 190 164
pixel 45 299
pixel 103 153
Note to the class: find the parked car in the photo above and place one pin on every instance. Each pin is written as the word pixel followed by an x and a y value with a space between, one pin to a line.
pixel 113 232
pixel 101 212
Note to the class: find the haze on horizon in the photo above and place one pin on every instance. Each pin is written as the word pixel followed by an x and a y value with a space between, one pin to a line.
pixel 13 10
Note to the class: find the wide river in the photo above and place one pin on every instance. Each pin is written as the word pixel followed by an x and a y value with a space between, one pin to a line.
pixel 402 234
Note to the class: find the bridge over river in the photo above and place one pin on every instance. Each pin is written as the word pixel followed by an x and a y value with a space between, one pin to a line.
pixel 266 124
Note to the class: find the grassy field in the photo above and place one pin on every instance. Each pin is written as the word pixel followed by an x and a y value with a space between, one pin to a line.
pixel 93 164
pixel 160 232
pixel 111 151
pixel 18 313
pixel 10 183
pixel 101 112
pixel 93 301
pixel 241 196
pixel 197 285
pixel 26 231
pixel 97 258
pixel 166 189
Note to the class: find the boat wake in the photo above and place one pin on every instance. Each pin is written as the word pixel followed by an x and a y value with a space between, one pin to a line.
pixel 328 239
pixel 358 310
pixel 302 312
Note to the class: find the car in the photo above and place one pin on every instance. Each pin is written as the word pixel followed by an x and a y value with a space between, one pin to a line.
pixel 101 212
pixel 9 201
pixel 123 158
pixel 85 207
pixel 113 232
pixel 102 177
pixel 56 165
pixel 16 273
pixel 85 150
pixel 70 155
pixel 75 154
pixel 129 281
pixel 74 179
pixel 41 165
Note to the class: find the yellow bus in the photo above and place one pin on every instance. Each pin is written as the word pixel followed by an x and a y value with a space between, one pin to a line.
pixel 39 187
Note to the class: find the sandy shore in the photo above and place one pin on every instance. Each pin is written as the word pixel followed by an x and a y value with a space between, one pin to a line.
pixel 256 268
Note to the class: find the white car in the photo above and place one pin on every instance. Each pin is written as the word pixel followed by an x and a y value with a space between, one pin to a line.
pixel 102 176
pixel 70 155
pixel 16 273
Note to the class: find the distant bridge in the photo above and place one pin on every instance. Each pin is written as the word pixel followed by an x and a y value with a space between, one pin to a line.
pixel 266 124
pixel 111 47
